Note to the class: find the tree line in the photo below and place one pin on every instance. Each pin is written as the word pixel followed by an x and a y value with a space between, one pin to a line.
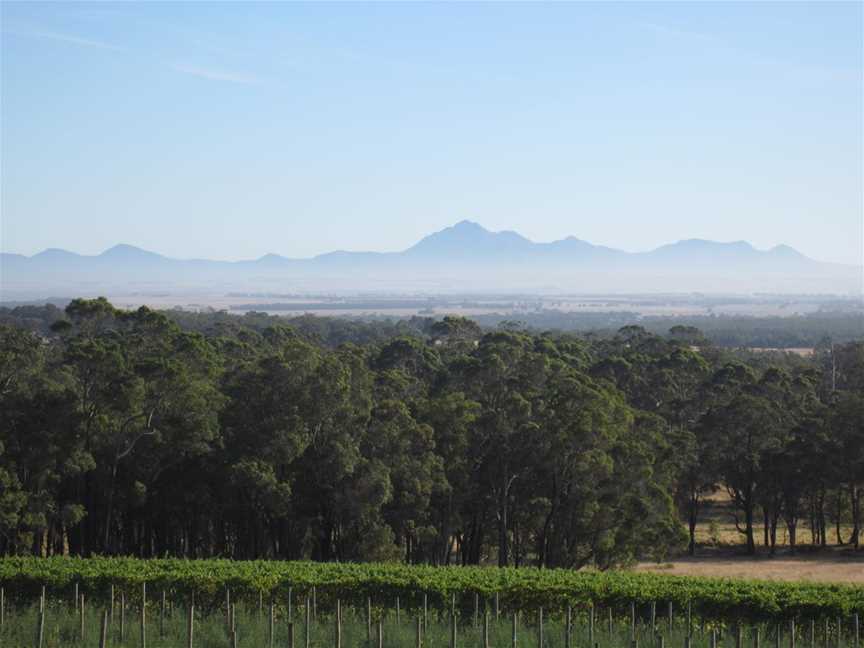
pixel 141 433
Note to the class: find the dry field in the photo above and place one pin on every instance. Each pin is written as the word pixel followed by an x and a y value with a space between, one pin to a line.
pixel 721 553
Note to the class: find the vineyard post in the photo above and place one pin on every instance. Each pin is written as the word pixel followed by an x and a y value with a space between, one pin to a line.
pixel 272 629
pixel 591 624
pixel 314 604
pixel 827 633
pixel 289 606
pixel 515 624
pixel 792 633
pixel 453 604
pixel 338 625
pixel 111 606
pixel 369 618
pixel 568 627
pixel 687 642
pixel 540 628
pixel 162 615
pixel 661 641
pixel 425 612
pixel 738 639
pixel 122 616
pixel 190 626
pixel 653 617
pixel 228 609
pixel 103 631
pixel 143 615
pixel 476 608
pixel 632 620
pixel 290 634
pixel 452 629
pixel 839 630
pixel 419 632
pixel 669 612
pixel 756 637
pixel 42 600
pixel 856 629
pixel 497 607
pixel 713 638
pixel 234 638
pixel 689 618
pixel 778 635
pixel 486 629
pixel 40 627
pixel 609 615
pixel 380 633
pixel 307 620
pixel 397 611
pixel 2 607
pixel 75 596
pixel 82 617
pixel 260 605
pixel 812 640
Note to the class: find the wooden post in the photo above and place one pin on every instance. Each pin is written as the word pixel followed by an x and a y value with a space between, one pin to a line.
pixel 425 613
pixel 540 628
pixel 290 618
pixel 839 631
pixel 234 638
pixel 368 618
pixel 687 642
pixel 476 609
pixel 338 625
pixel 653 617
pixel 661 641
pixel 591 624
pixel 669 614
pixel 111 607
pixel 75 596
pixel 739 642
pixel 812 633
pixel 314 603
pixel 122 616
pixel 233 618
pixel 143 615
pixel 290 634
pixel 190 626
pixel 792 633
pixel 228 610
pixel 42 600
pixel 485 629
pixel 568 628
pixel 515 624
pixel 308 621
pixel 272 629
pixel 81 609
pixel 397 610
pixel 756 637
pixel 419 633
pixel 380 633
pixel 609 615
pixel 497 607
pixel 40 627
pixel 778 631
pixel 103 632
pixel 632 621
pixel 162 615
pixel 713 638
pixel 689 619
pixel 856 630
pixel 2 608
pixel 452 630
pixel 260 604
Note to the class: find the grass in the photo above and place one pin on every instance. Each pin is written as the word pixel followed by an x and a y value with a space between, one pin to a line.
pixel 62 629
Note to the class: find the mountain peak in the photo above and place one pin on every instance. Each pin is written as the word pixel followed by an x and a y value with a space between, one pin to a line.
pixel 124 251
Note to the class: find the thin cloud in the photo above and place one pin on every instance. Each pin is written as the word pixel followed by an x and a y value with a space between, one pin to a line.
pixel 215 75
pixel 68 39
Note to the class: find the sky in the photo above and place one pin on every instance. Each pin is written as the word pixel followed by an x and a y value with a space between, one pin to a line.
pixel 228 131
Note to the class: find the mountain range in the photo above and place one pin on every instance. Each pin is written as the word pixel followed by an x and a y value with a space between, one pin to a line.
pixel 463 258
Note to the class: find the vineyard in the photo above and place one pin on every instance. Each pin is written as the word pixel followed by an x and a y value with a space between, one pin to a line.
pixel 128 602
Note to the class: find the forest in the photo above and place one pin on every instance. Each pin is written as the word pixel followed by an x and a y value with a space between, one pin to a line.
pixel 158 434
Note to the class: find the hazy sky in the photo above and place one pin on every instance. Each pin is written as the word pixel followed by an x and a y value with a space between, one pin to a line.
pixel 232 130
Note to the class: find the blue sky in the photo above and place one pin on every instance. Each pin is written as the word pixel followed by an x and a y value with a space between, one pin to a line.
pixel 233 130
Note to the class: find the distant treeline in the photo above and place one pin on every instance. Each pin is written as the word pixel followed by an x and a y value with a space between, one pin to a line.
pixel 181 434
pixel 819 329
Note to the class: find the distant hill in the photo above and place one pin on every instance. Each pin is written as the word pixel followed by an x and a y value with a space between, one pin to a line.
pixel 465 257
